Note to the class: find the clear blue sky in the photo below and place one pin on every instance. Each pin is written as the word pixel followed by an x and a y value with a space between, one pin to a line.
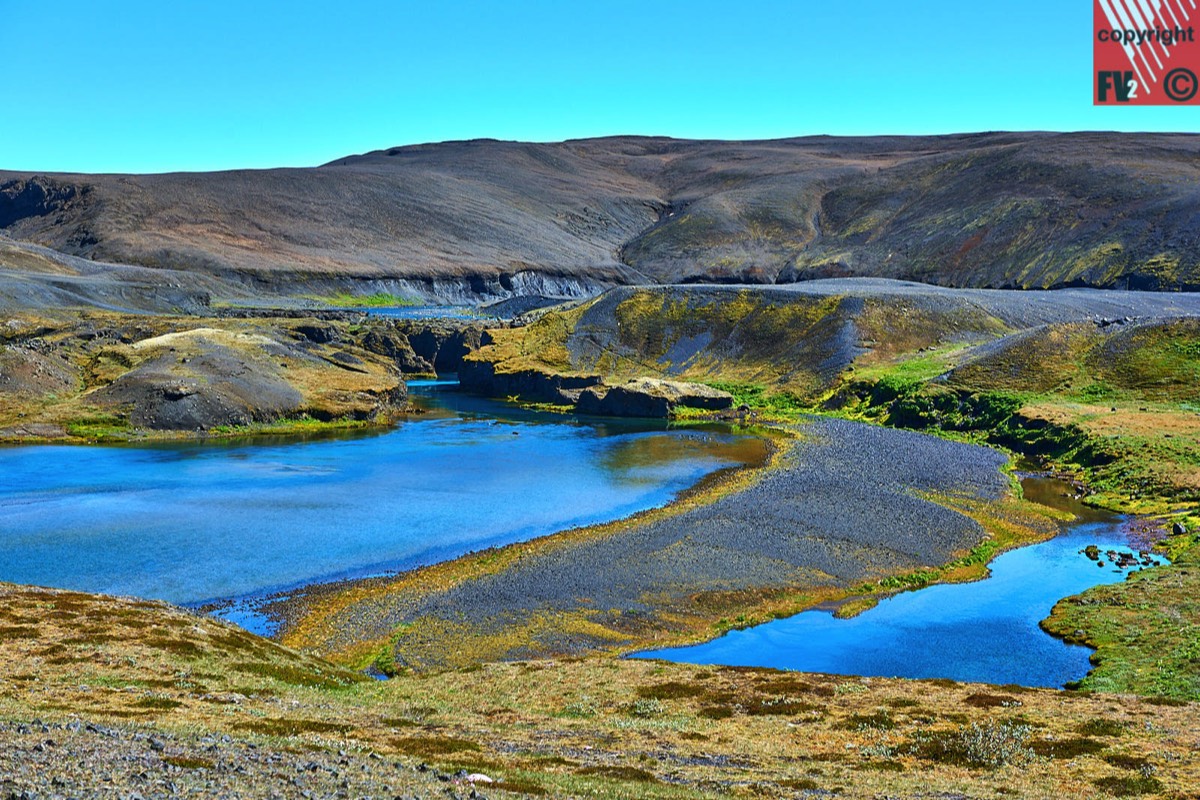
pixel 138 86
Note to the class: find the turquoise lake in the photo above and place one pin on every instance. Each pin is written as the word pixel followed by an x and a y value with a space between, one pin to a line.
pixel 984 631
pixel 198 522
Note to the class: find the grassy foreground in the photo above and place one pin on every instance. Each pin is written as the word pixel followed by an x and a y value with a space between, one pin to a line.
pixel 598 728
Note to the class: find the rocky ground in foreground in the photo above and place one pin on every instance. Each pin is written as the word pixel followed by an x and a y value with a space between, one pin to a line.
pixel 86 759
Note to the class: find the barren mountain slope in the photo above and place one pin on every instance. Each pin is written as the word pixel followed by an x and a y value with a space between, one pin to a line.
pixel 488 217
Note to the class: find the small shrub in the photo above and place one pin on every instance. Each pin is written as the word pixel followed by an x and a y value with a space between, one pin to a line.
pixel 292 727
pixel 1067 748
pixel 646 707
pixel 903 702
pixel 18 632
pixel 1102 727
pixel 994 744
pixel 777 706
pixel 715 712
pixel 399 722
pixel 990 744
pixel 1131 763
pixel 785 686
pixel 671 690
pixel 800 784
pixel 179 647
pixel 519 786
pixel 582 708
pixel 983 700
pixel 877 750
pixel 123 713
pixel 188 762
pixel 850 687
pixel 93 639
pixel 879 721
pixel 433 746
pixel 620 773
pixel 164 703
pixel 1129 785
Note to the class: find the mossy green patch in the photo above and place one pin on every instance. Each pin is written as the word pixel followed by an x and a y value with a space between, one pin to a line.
pixel 1129 785
pixel 375 300
pixel 99 426
pixel 433 746
pixel 1146 630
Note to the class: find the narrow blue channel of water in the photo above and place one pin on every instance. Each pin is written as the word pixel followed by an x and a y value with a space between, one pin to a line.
pixel 985 631
pixel 422 312
pixel 193 522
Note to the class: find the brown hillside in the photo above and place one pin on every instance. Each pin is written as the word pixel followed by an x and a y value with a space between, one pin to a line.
pixel 460 219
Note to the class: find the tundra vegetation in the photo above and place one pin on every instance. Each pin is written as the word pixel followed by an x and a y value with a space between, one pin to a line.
pixel 166 684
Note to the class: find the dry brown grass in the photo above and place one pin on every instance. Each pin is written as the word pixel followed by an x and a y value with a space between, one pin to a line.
pixel 597 727
pixel 1124 419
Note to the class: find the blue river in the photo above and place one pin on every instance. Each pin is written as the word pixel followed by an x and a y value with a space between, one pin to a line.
pixel 984 631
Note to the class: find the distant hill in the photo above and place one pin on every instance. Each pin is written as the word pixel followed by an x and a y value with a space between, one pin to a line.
pixel 463 219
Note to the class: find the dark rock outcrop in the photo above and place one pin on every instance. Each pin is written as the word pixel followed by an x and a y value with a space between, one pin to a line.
pixel 385 340
pixel 37 196
pixel 321 333
pixel 423 347
pixel 650 397
pixel 442 343
pixel 481 377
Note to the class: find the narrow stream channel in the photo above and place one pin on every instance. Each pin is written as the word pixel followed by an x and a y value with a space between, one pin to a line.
pixel 985 631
